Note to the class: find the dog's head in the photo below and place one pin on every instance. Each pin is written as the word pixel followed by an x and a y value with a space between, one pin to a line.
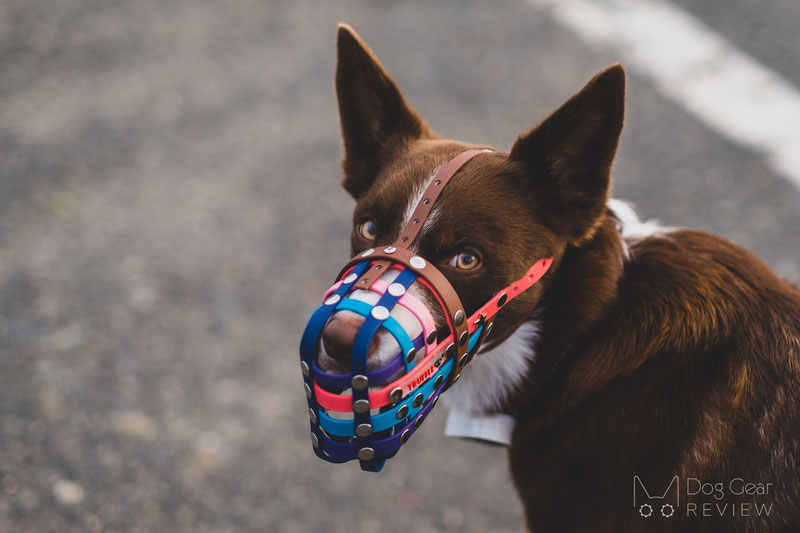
pixel 500 213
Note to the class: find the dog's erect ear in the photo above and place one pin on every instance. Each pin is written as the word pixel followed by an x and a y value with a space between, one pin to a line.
pixel 375 117
pixel 569 155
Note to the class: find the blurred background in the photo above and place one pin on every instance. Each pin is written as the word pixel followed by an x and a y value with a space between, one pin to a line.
pixel 170 214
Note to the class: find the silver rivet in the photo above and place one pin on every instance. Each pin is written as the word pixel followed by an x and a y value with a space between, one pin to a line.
pixel 307 388
pixel 350 278
pixel 416 221
pixel 456 378
pixel 458 318
pixel 365 454
pixel 402 412
pixel 462 340
pixel 431 337
pixel 396 290
pixel 359 382
pixel 426 201
pixel 502 300
pixel 304 368
pixel 404 436
pixel 417 262
pixel 438 381
pixel 418 399
pixel 395 395
pixel 462 360
pixel 364 430
pixel 380 313
pixel 389 250
pixel 314 440
pixel 451 350
pixel 361 406
pixel 365 253
pixel 333 299
pixel 411 355
pixel 312 415
pixel 418 421
pixel 433 404
pixel 489 328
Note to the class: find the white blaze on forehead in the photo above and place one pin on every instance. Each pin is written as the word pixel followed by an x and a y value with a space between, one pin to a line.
pixel 416 198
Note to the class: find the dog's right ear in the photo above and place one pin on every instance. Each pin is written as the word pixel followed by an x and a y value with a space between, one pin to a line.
pixel 375 118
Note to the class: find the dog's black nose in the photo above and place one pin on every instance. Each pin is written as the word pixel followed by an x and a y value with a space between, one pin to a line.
pixel 339 335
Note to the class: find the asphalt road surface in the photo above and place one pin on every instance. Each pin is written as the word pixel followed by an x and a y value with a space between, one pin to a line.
pixel 170 214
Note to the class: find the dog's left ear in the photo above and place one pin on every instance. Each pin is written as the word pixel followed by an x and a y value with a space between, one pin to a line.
pixel 569 155
pixel 376 120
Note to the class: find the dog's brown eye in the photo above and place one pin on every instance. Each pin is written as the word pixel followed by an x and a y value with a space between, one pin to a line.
pixel 367 229
pixel 465 261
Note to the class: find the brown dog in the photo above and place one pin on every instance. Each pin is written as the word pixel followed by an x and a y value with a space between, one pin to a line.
pixel 654 373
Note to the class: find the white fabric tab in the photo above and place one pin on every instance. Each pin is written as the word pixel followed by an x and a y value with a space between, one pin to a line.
pixel 493 429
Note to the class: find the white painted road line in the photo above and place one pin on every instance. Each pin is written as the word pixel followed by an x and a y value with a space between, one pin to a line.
pixel 693 65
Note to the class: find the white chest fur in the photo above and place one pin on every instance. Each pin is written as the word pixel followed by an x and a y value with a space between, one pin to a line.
pixel 492 375
pixel 483 386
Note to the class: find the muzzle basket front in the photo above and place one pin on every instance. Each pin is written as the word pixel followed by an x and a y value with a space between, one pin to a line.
pixel 364 425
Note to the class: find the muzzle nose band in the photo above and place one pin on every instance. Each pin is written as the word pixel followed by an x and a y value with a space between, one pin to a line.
pixel 361 415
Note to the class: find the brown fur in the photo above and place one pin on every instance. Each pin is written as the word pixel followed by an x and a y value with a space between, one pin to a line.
pixel 681 359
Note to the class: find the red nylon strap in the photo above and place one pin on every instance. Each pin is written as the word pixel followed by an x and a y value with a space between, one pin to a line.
pixel 490 308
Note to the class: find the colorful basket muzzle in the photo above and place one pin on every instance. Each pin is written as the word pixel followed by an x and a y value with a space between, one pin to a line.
pixel 361 415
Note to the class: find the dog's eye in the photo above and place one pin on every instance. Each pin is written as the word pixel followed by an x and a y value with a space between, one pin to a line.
pixel 367 229
pixel 465 261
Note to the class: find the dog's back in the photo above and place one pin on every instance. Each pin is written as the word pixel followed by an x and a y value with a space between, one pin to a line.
pixel 692 370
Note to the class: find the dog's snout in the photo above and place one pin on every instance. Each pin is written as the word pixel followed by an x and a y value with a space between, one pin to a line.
pixel 339 336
